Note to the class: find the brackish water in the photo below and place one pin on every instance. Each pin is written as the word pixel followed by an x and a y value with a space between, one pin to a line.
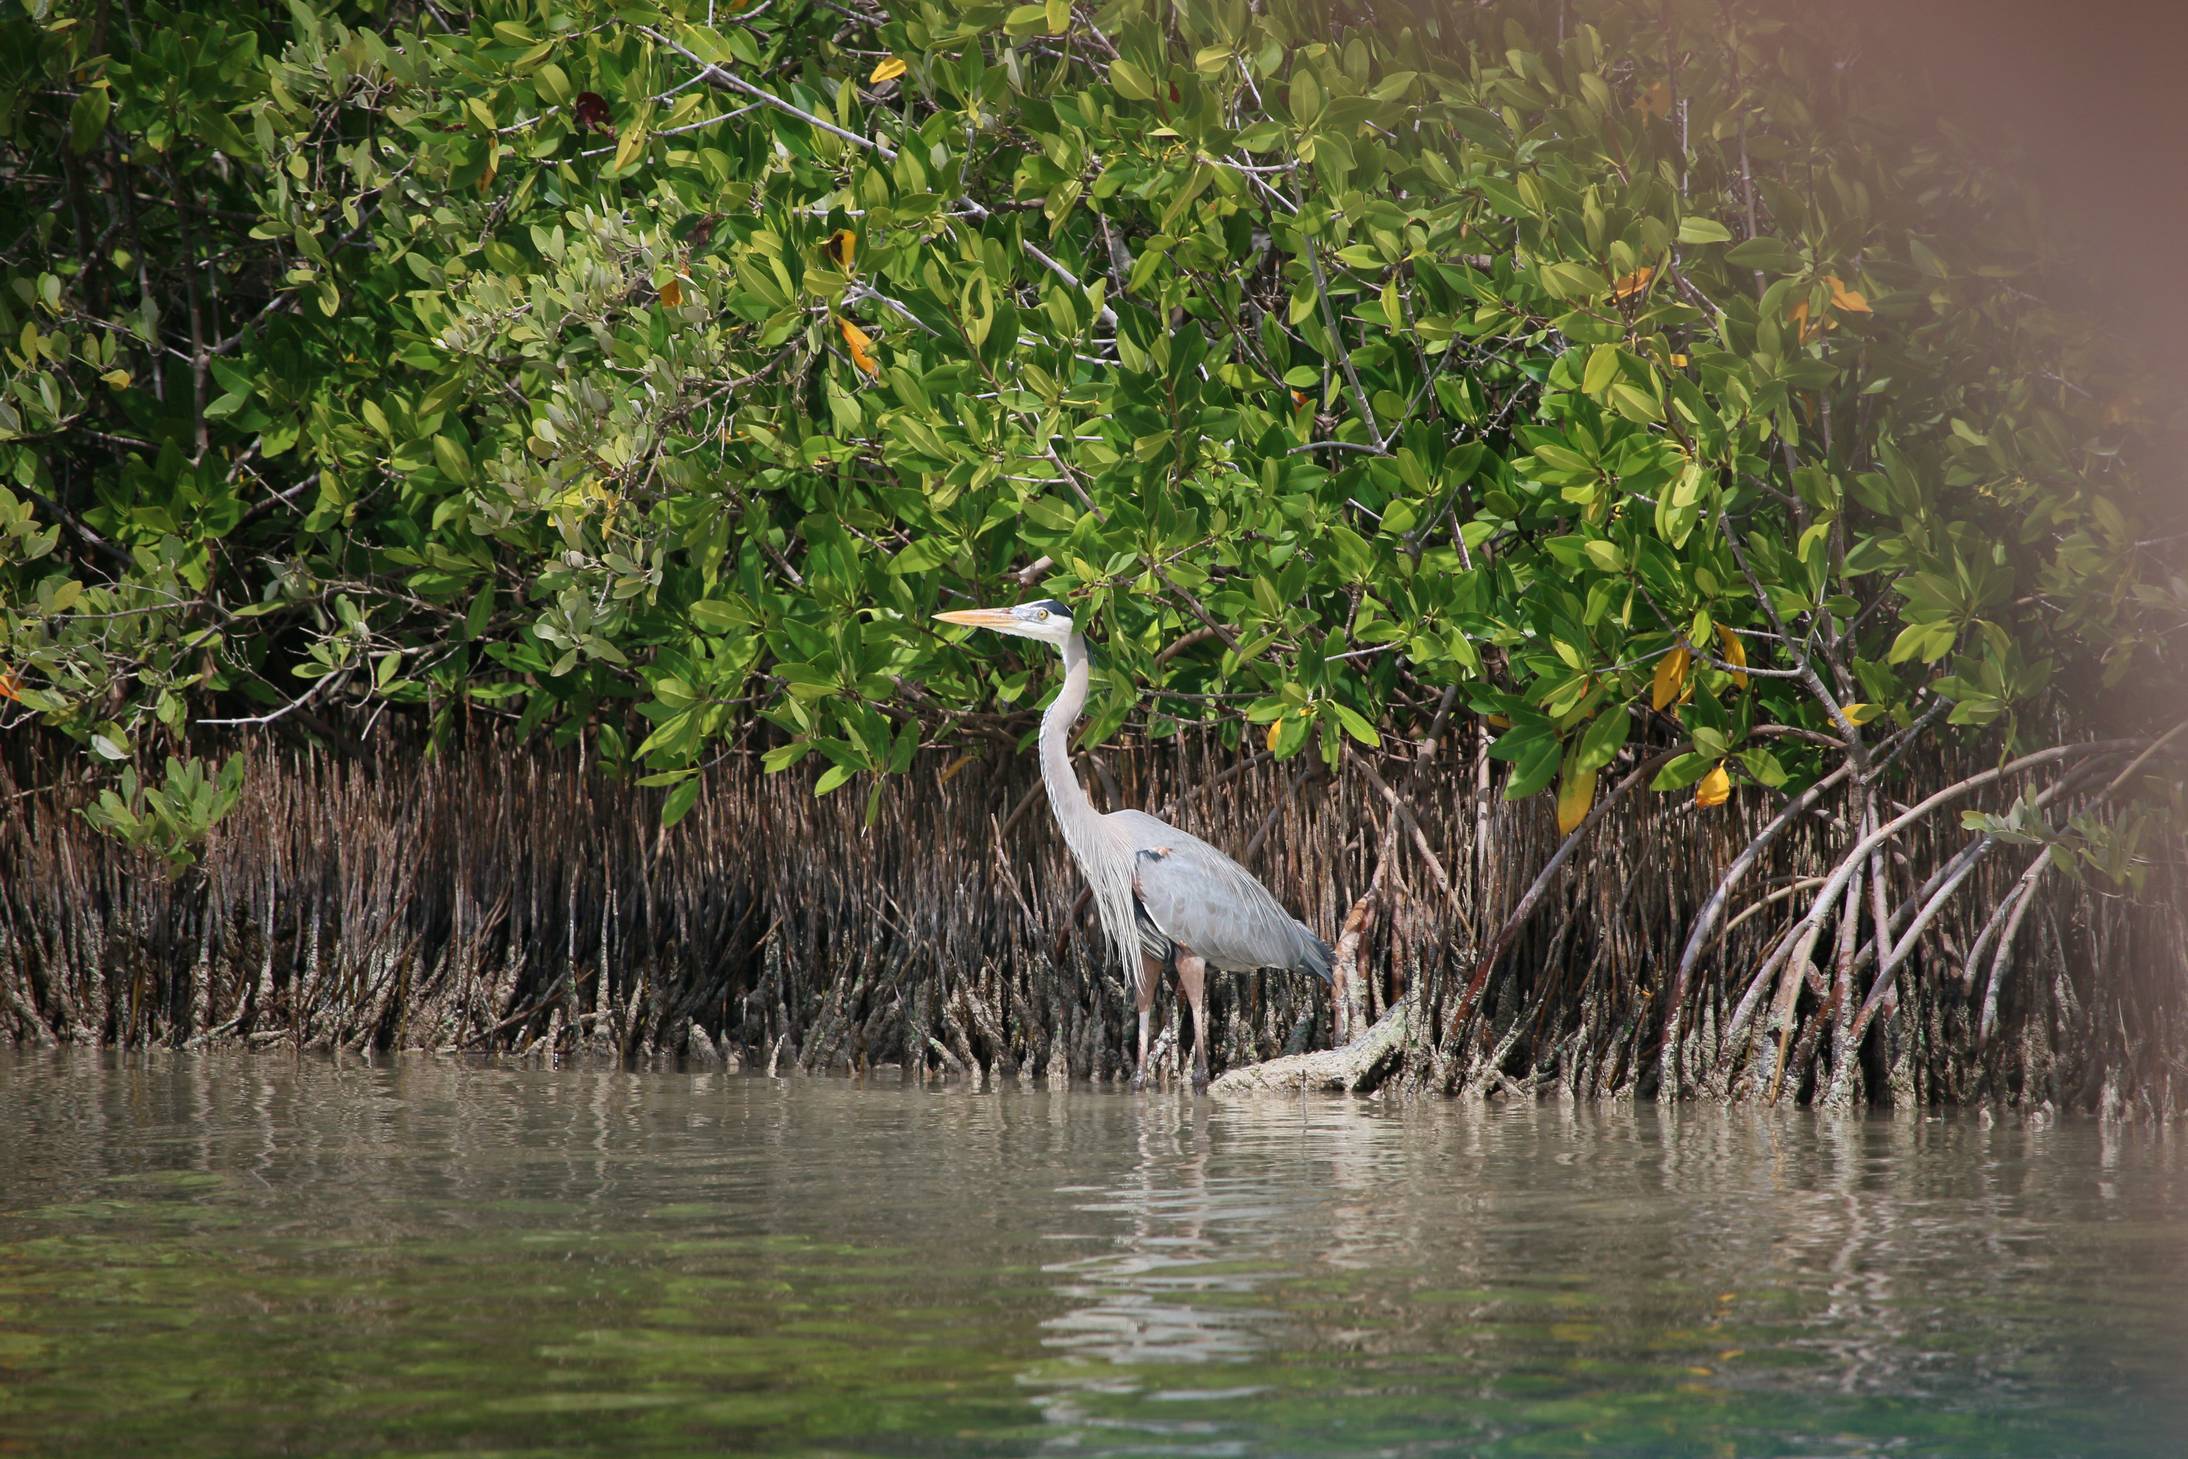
pixel 248 1255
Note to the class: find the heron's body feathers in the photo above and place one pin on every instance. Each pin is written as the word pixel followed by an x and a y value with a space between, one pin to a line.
pixel 1201 899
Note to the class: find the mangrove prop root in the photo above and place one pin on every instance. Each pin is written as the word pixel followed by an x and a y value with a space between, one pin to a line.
pixel 505 898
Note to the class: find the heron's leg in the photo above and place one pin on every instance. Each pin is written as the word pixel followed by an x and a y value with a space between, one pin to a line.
pixel 1193 982
pixel 1150 980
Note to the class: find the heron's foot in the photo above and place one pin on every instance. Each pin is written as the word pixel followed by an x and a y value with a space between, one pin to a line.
pixel 1139 1080
pixel 1200 1081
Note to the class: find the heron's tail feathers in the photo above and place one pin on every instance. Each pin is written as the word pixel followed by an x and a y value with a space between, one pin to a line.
pixel 1317 957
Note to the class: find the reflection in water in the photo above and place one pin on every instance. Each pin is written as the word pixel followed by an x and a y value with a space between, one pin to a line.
pixel 242 1255
pixel 1160 1293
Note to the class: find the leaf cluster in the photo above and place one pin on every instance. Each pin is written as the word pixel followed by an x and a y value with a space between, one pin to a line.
pixel 652 372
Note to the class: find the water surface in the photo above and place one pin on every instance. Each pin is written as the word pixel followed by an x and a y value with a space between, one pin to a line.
pixel 247 1255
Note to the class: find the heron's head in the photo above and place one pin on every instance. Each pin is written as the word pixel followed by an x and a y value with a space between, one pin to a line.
pixel 1047 620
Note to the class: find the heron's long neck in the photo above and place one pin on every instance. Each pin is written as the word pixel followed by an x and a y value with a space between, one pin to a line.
pixel 1104 862
pixel 1074 810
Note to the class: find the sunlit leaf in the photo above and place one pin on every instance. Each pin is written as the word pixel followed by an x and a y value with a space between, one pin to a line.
pixel 888 68
pixel 1357 725
pixel 1131 82
pixel 630 146
pixel 680 801
pixel 1601 369
pixel 1713 789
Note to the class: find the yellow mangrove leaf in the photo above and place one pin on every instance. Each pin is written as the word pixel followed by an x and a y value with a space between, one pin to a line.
pixel 888 69
pixel 1842 297
pixel 1713 789
pixel 1735 654
pixel 1670 677
pixel 630 146
pixel 1575 794
pixel 861 346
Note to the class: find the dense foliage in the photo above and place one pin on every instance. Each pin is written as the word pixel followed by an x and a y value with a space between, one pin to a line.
pixel 1640 378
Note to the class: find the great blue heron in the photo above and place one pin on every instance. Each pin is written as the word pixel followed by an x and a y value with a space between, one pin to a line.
pixel 1165 897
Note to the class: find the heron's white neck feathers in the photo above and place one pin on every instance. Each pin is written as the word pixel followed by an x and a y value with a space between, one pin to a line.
pixel 1103 858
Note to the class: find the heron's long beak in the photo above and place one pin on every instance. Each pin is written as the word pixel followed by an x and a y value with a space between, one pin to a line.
pixel 1001 618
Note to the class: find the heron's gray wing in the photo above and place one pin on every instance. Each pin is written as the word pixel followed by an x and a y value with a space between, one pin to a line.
pixel 1207 902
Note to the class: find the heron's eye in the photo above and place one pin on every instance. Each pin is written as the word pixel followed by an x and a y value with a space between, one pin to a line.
pixel 1040 613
